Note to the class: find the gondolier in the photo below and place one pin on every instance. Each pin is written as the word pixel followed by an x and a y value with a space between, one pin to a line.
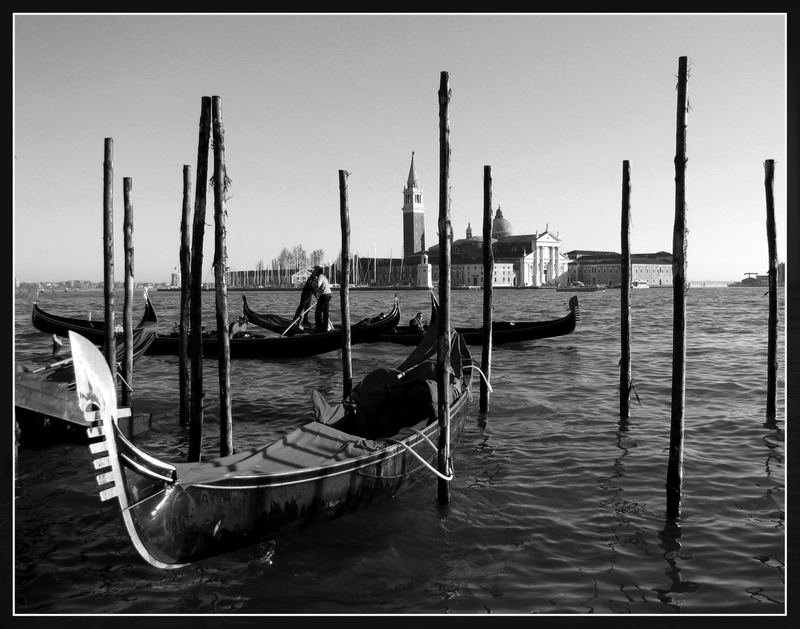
pixel 309 291
pixel 322 314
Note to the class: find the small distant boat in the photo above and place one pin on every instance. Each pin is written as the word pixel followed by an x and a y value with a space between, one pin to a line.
pixel 580 287
pixel 348 455
pixel 639 284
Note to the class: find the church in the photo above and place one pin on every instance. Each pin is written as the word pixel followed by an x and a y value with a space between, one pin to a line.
pixel 527 260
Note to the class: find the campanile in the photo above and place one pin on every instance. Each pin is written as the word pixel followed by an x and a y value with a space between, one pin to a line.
pixel 413 214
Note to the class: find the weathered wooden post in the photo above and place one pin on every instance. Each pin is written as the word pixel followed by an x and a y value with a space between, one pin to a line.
pixel 675 463
pixel 221 184
pixel 488 276
pixel 127 308
pixel 445 234
pixel 772 273
pixel 625 298
pixel 110 341
pixel 344 288
pixel 196 284
pixel 184 381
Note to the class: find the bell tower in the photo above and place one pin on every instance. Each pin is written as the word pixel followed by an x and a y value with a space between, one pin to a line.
pixel 413 214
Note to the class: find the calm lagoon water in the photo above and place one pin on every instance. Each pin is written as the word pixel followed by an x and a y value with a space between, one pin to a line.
pixel 557 507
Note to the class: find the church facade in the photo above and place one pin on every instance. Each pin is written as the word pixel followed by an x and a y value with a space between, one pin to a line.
pixel 526 260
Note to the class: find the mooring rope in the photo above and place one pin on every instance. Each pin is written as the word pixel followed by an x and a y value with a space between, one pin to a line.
pixel 485 379
pixel 449 477
pixel 119 375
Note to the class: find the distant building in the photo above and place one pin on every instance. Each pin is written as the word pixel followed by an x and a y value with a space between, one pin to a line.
pixel 299 278
pixel 604 268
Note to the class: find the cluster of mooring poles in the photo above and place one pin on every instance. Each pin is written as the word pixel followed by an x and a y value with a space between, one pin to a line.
pixel 679 288
pixel 125 374
pixel 190 327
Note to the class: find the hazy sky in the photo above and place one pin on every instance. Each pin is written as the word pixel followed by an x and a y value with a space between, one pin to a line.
pixel 553 103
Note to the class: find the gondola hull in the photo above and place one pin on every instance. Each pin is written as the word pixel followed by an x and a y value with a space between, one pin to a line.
pixel 95 331
pixel 190 522
pixel 503 332
pixel 276 346
pixel 360 331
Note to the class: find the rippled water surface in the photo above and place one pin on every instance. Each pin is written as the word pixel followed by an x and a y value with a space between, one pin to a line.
pixel 557 507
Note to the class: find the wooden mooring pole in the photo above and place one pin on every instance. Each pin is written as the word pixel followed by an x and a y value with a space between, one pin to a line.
pixel 196 285
pixel 184 381
pixel 445 237
pixel 110 341
pixel 127 307
pixel 488 276
pixel 625 300
pixel 675 463
pixel 221 184
pixel 344 288
pixel 772 274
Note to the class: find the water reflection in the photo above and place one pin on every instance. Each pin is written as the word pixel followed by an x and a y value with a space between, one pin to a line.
pixel 774 443
pixel 669 543
pixel 483 447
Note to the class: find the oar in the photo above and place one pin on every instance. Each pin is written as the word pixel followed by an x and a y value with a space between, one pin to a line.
pixel 292 324
pixel 51 365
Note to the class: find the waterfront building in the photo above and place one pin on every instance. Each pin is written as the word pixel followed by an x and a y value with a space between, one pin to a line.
pixel 604 268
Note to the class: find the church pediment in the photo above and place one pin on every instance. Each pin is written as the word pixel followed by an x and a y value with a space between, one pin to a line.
pixel 547 237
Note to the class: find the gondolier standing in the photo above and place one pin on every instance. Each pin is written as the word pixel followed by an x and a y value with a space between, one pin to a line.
pixel 321 314
pixel 309 291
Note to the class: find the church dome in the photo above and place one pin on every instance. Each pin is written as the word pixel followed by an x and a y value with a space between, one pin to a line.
pixel 501 227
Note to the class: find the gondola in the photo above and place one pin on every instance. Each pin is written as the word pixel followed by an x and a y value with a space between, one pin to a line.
pixel 254 345
pixel 95 331
pixel 502 331
pixel 359 331
pixel 45 393
pixel 379 442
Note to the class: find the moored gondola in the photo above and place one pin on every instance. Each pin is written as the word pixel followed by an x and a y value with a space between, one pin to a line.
pixel 95 331
pixel 378 442
pixel 503 332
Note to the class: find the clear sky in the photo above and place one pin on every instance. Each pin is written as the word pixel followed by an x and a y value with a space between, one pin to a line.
pixel 553 103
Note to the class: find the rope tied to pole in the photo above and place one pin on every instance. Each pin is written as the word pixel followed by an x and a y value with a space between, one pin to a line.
pixel 483 375
pixel 450 473
pixel 119 375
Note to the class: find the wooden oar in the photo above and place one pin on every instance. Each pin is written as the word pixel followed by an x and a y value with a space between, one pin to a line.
pixel 52 365
pixel 292 324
